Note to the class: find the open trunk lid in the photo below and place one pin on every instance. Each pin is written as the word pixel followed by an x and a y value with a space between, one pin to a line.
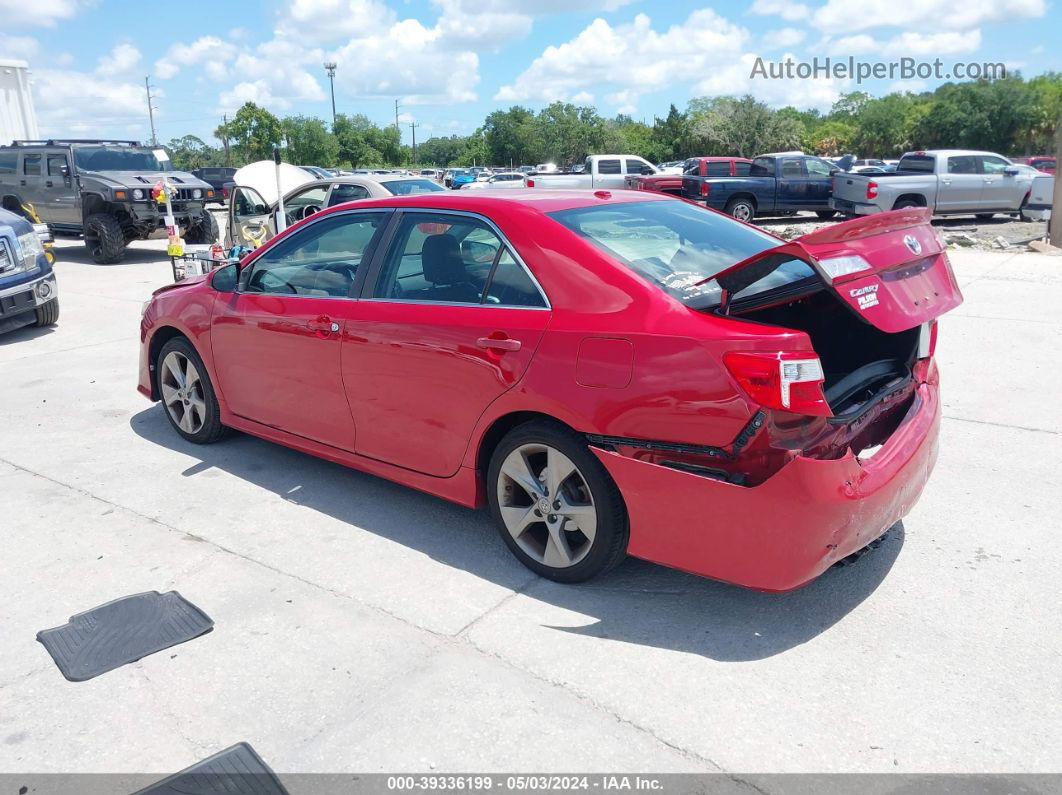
pixel 889 268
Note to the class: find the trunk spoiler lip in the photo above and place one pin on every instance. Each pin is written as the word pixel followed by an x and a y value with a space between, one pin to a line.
pixel 868 226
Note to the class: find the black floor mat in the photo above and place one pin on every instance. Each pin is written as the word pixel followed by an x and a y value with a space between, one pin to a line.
pixel 235 771
pixel 122 631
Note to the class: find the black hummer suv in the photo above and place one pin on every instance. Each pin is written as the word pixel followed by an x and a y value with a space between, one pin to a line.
pixel 102 189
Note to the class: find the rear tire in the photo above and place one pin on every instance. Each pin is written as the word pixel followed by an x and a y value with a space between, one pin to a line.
pixel 984 216
pixel 104 239
pixel 742 209
pixel 187 394
pixel 206 231
pixel 48 313
pixel 825 215
pixel 581 528
pixel 904 204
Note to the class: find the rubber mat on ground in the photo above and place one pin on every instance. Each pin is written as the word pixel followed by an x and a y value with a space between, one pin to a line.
pixel 122 631
pixel 235 771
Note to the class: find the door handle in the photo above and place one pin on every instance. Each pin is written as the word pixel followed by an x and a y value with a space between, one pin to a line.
pixel 48 183
pixel 22 182
pixel 498 343
pixel 945 182
pixel 323 326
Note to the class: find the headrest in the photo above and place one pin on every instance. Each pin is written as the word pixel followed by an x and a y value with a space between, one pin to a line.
pixel 441 260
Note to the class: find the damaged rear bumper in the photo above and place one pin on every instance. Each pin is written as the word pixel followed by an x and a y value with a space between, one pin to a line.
pixel 784 532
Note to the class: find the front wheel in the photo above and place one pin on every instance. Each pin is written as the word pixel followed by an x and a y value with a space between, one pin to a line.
pixel 48 313
pixel 206 231
pixel 104 239
pixel 187 394
pixel 742 209
pixel 555 505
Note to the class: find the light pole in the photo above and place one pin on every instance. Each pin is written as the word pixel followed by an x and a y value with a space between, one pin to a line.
pixel 413 126
pixel 330 68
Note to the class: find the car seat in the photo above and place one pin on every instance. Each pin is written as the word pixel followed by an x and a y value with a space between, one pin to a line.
pixel 444 269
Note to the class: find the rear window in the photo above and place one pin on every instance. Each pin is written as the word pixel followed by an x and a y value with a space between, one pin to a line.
pixel 921 163
pixel 676 246
pixel 406 187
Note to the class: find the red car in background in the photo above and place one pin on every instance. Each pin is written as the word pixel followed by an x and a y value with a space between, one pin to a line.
pixel 611 373
pixel 1044 163
pixel 695 166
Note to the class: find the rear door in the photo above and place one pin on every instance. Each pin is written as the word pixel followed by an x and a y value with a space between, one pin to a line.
pixel 792 193
pixel 959 188
pixel 31 185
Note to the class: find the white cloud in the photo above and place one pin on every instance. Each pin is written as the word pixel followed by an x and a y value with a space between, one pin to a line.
pixel 118 61
pixel 19 46
pixel 38 12
pixel 70 102
pixel 908 86
pixel 633 57
pixel 782 38
pixel 332 20
pixel 909 44
pixel 838 16
pixel 735 79
pixel 207 50
pixel 781 8
pixel 583 98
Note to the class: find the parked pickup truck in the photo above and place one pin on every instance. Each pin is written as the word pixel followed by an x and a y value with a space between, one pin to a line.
pixel 599 171
pixel 28 293
pixel 696 167
pixel 948 181
pixel 776 183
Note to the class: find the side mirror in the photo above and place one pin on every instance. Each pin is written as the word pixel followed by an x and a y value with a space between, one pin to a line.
pixel 224 279
pixel 1010 171
pixel 646 170
pixel 834 170
pixel 65 171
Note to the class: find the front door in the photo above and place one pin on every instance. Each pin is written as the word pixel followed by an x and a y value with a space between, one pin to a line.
pixel 1000 191
pixel 452 323
pixel 820 183
pixel 30 188
pixel 248 218
pixel 276 340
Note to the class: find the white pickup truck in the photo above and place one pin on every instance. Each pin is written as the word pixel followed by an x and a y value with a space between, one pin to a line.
pixel 600 171
pixel 947 181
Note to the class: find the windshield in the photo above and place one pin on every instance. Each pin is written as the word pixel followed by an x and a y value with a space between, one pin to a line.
pixel 405 187
pixel 119 158
pixel 677 246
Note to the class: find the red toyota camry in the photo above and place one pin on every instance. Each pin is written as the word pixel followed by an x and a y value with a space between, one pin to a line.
pixel 611 373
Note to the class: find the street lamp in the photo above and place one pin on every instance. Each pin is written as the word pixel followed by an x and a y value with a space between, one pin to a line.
pixel 330 68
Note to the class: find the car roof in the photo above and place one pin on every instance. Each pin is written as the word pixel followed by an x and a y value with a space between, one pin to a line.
pixel 542 201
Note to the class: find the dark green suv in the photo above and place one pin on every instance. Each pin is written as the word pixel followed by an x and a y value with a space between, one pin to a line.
pixel 102 189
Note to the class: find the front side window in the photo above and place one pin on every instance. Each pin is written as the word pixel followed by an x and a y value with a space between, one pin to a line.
pixel 818 168
pixel 635 166
pixel 320 260
pixel 446 258
pixel 56 163
pixel 993 165
pixel 674 245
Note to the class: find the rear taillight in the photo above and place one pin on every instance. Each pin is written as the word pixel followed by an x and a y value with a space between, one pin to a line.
pixel 529 183
pixel 927 340
pixel 872 190
pixel 705 189
pixel 786 381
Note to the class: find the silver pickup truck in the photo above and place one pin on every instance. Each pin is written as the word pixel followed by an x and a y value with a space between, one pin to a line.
pixel 948 181
pixel 600 171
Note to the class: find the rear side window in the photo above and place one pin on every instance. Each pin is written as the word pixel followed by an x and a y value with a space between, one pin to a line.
pixel 31 165
pixel 963 164
pixel 791 169
pixel 608 167
pixel 7 162
pixel 921 163
pixel 717 169
pixel 347 193
pixel 510 285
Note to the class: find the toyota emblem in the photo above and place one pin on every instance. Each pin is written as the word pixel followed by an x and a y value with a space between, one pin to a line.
pixel 912 243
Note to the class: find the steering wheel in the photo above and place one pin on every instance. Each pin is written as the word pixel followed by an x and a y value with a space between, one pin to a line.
pixel 307 210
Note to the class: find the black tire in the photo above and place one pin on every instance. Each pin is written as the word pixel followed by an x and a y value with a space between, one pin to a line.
pixel 48 313
pixel 741 208
pixel 205 232
pixel 905 203
pixel 825 215
pixel 104 239
pixel 609 546
pixel 984 216
pixel 212 429
pixel 1022 215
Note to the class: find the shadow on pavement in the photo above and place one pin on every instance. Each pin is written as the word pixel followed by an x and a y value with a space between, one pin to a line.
pixel 25 334
pixel 639 602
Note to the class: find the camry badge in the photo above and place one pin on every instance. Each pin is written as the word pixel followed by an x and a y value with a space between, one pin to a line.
pixel 912 243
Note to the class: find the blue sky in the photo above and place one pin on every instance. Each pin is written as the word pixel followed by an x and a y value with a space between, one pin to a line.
pixel 450 62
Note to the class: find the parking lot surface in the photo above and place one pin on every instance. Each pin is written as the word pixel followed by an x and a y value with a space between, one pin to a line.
pixel 362 626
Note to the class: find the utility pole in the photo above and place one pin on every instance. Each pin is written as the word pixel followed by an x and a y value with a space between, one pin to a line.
pixel 225 138
pixel 151 111
pixel 396 114
pixel 330 68
pixel 413 126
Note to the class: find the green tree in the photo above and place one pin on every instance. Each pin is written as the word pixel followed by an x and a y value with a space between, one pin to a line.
pixel 254 132
pixel 190 152
pixel 512 136
pixel 744 127
pixel 362 143
pixel 309 141
pixel 440 151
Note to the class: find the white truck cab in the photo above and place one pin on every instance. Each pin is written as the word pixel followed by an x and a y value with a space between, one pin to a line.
pixel 600 171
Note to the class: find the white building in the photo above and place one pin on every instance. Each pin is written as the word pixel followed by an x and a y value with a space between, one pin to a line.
pixel 18 119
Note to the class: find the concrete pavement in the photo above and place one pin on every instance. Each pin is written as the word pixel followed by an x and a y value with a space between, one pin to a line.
pixel 362 626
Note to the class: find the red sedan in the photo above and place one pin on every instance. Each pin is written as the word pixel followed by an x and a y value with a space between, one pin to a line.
pixel 611 373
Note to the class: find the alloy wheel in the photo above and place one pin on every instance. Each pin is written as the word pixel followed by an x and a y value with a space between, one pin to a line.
pixel 182 392
pixel 546 505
